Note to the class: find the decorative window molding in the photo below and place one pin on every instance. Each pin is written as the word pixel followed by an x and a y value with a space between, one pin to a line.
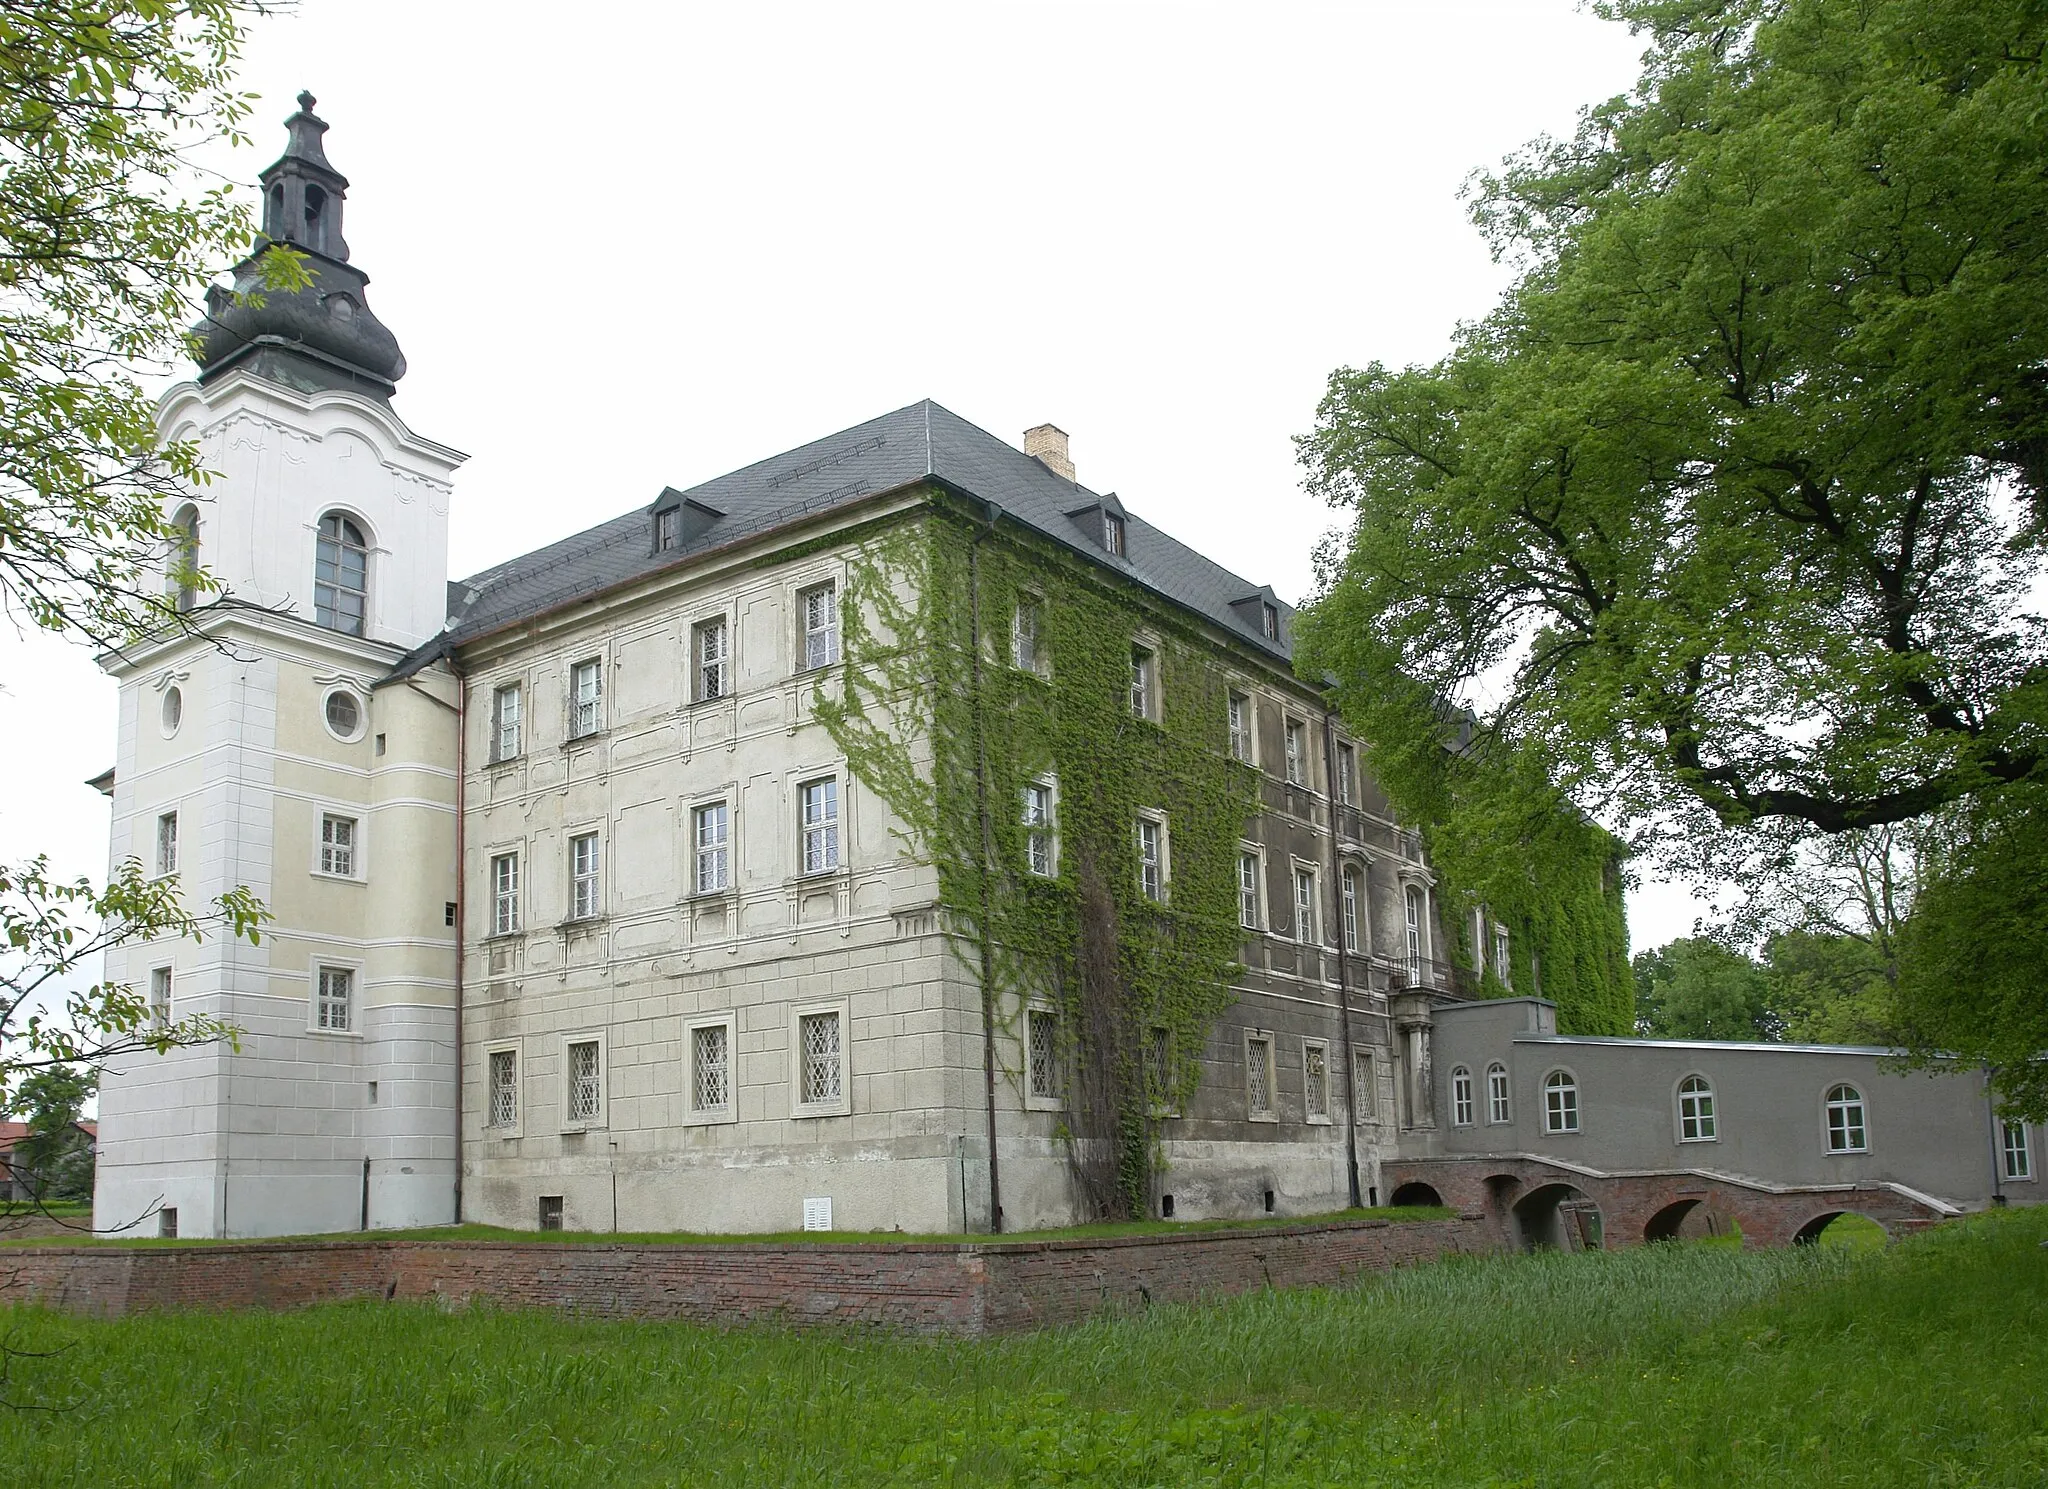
pixel 818 610
pixel 711 1079
pixel 501 1090
pixel 171 711
pixel 508 722
pixel 1560 1102
pixel 711 847
pixel 1044 1087
pixel 1697 1120
pixel 344 714
pixel 1416 902
pixel 1499 1110
pixel 1461 1097
pixel 586 876
pixel 505 893
pixel 586 698
pixel 818 826
pixel 1261 1079
pixel 1352 905
pixel 820 1040
pixel 711 651
pixel 339 852
pixel 1847 1121
pixel 1315 1081
pixel 583 1082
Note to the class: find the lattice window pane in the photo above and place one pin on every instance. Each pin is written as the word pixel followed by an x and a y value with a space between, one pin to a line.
pixel 1363 1094
pixel 1497 1093
pixel 710 1069
pixel 714 835
pixel 821 626
pixel 586 1088
pixel 1159 1063
pixel 711 660
pixel 505 894
pixel 504 1088
pixel 336 986
pixel 1248 890
pixel 338 845
pixel 583 870
pixel 818 1037
pixel 1043 1031
pixel 167 843
pixel 820 810
pixel 1461 1098
pixel 587 693
pixel 1258 1075
pixel 1315 1080
pixel 506 744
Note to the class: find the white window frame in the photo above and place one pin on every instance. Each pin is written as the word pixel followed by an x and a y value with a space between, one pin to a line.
pixel 362 708
pixel 711 675
pixel 1054 1076
pixel 601 1117
pixel 366 545
pixel 1308 919
pixel 1027 642
pixel 824 832
pixel 1503 963
pixel 1463 1108
pixel 1115 534
pixel 324 857
pixel 2016 1151
pixel 1415 909
pixel 1145 681
pixel 1364 1090
pixel 1251 897
pixel 165 848
pixel 842 1105
pixel 705 1116
pixel 503 750
pixel 163 983
pixel 582 707
pixel 1241 714
pixel 818 644
pixel 1699 1116
pixel 1561 1117
pixel 493 1126
pixel 716 854
pixel 1500 1102
pixel 1310 1113
pixel 1347 774
pixel 316 1000
pixel 503 899
pixel 1351 906
pixel 586 875
pixel 1829 1105
pixel 1041 828
pixel 1161 867
pixel 1270 1095
pixel 1294 748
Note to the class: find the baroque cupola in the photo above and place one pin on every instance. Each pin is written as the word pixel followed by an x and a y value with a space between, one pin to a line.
pixel 323 336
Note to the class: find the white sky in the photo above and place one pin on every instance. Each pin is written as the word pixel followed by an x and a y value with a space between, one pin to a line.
pixel 646 252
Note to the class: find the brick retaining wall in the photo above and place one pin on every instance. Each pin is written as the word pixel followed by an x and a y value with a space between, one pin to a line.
pixel 972 1288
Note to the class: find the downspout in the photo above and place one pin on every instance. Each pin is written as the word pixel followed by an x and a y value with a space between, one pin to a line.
pixel 1343 964
pixel 461 895
pixel 1997 1140
pixel 988 996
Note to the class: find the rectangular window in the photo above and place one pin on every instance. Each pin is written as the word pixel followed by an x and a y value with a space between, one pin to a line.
pixel 1159 1066
pixel 504 1088
pixel 1501 964
pixel 550 1212
pixel 1241 728
pixel 1351 891
pixel 1042 1031
pixel 818 802
pixel 167 843
pixel 1024 636
pixel 1497 1095
pixel 1315 1080
pixel 1248 890
pixel 338 845
pixel 1151 860
pixel 504 894
pixel 2019 1157
pixel 583 876
pixel 1113 533
pixel 820 607
pixel 1347 775
pixel 821 1069
pixel 1305 906
pixel 711 1068
pixel 585 1094
pixel 665 530
pixel 712 649
pixel 1461 1098
pixel 336 991
pixel 160 996
pixel 505 723
pixel 1297 753
pixel 714 847
pixel 1362 1087
pixel 1258 1075
pixel 1141 682
pixel 586 698
pixel 1038 829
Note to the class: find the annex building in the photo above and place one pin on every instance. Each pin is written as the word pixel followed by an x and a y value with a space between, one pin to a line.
pixel 599 904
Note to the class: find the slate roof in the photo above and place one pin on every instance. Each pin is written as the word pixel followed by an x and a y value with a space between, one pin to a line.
pixel 896 450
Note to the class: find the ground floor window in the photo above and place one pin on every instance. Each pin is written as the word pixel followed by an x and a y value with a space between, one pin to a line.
pixel 1560 1102
pixel 2019 1158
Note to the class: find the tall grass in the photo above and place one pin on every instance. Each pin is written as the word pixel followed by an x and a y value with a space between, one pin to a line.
pixel 1926 1363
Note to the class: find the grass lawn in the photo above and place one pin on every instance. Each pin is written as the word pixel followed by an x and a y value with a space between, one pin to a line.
pixel 1923 1363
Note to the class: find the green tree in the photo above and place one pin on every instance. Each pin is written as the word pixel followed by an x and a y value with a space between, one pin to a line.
pixel 1827 988
pixel 1973 963
pixel 56 1157
pixel 1725 515
pixel 1695 988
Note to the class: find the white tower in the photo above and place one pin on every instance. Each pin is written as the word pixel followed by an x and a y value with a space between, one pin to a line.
pixel 264 752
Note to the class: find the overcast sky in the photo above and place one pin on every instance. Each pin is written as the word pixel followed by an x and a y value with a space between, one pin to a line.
pixel 646 251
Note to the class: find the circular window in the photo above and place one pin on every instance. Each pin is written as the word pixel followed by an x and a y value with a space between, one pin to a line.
pixel 174 711
pixel 344 714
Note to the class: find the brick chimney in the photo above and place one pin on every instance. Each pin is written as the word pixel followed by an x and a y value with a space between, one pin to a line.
pixel 1048 444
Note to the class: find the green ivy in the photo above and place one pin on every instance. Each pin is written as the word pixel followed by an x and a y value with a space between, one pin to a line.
pixel 933 715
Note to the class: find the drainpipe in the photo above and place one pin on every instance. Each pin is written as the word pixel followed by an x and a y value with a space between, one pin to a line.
pixel 1343 963
pixel 988 997
pixel 1997 1141
pixel 461 898
pixel 366 1192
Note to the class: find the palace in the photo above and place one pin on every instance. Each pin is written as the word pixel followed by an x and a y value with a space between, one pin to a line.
pixel 589 914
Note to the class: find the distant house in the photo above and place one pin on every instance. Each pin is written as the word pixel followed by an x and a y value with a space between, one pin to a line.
pixel 17 1182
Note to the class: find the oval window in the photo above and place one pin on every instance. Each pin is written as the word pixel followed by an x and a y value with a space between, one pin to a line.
pixel 344 714
pixel 174 711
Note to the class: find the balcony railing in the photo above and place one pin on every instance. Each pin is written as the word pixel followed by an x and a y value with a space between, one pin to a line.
pixel 1417 972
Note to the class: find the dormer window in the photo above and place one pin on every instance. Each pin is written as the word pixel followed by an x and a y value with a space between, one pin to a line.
pixel 1269 621
pixel 341 575
pixel 665 530
pixel 1113 534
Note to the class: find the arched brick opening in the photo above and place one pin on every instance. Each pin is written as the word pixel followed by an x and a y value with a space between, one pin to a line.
pixel 1558 1217
pixel 1684 1220
pixel 1415 1192
pixel 1809 1233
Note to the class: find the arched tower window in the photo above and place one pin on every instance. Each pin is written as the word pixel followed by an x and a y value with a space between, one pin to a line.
pixel 181 578
pixel 341 575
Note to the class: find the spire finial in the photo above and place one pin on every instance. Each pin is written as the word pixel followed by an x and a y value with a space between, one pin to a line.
pixel 306 101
